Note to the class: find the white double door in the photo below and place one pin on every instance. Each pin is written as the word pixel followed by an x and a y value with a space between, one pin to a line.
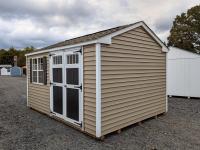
pixel 66 85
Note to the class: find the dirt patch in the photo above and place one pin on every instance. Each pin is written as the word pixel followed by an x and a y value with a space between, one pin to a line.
pixel 23 128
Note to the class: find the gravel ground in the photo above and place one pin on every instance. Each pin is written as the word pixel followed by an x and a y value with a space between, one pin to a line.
pixel 23 128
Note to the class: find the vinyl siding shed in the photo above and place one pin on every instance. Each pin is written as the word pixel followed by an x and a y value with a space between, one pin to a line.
pixel 101 82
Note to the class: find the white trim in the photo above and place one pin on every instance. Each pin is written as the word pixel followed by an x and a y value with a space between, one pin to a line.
pixel 37 70
pixel 51 79
pixel 107 39
pixel 82 79
pixel 79 66
pixel 68 48
pixel 64 96
pixel 166 83
pixel 164 48
pixel 27 103
pixel 51 66
pixel 37 83
pixel 65 118
pixel 64 65
pixel 98 90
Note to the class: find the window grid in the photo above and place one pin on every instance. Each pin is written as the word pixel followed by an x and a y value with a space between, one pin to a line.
pixel 57 60
pixel 72 59
pixel 37 70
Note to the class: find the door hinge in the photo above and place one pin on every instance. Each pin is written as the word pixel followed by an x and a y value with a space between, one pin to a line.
pixel 53 113
pixel 79 51
pixel 80 124
pixel 52 83
pixel 80 87
pixel 51 55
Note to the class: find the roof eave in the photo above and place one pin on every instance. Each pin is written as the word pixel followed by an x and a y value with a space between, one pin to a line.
pixel 153 35
pixel 108 40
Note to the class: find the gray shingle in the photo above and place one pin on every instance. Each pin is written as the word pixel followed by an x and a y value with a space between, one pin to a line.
pixel 87 38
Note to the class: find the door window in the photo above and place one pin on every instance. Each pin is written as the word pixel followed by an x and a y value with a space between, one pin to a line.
pixel 72 59
pixel 72 76
pixel 57 60
pixel 58 99
pixel 73 103
pixel 57 75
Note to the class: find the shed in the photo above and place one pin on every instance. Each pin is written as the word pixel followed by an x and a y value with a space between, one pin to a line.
pixel 183 73
pixel 16 71
pixel 5 70
pixel 101 82
pixel 24 70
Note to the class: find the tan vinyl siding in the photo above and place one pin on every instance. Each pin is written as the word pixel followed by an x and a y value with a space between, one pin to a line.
pixel 39 95
pixel 133 80
pixel 89 76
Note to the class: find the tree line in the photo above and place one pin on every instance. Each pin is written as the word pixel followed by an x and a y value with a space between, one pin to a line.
pixel 185 34
pixel 7 56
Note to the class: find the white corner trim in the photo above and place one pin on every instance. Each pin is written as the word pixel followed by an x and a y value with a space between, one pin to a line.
pixel 82 96
pixel 166 83
pixel 27 103
pixel 98 90
pixel 51 87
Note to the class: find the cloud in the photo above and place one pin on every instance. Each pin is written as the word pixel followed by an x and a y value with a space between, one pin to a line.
pixel 29 22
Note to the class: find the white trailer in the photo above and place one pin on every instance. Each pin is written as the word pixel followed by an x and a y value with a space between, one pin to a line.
pixel 183 73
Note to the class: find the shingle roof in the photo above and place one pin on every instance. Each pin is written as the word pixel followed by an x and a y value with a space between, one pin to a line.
pixel 88 37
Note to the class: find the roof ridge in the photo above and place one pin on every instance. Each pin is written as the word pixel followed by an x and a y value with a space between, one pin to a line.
pixel 103 30
pixel 88 37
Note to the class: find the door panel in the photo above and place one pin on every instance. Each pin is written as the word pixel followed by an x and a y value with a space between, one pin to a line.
pixel 58 99
pixel 72 76
pixel 57 75
pixel 66 85
pixel 73 104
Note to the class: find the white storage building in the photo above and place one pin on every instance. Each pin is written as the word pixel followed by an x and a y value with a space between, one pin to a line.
pixel 5 70
pixel 183 73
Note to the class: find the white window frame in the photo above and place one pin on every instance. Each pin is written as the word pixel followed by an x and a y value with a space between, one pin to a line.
pixel 37 70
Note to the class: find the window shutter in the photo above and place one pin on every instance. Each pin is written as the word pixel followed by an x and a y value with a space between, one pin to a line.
pixel 30 70
pixel 45 69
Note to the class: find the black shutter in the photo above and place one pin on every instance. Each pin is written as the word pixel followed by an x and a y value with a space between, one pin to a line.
pixel 45 69
pixel 30 70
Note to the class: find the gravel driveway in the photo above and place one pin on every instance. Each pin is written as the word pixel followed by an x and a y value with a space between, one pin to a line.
pixel 23 128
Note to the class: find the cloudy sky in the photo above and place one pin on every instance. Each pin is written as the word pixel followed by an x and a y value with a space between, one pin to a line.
pixel 43 22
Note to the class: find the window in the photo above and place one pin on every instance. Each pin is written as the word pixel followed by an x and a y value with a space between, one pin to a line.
pixel 34 69
pixel 57 75
pixel 72 59
pixel 57 60
pixel 72 76
pixel 37 70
